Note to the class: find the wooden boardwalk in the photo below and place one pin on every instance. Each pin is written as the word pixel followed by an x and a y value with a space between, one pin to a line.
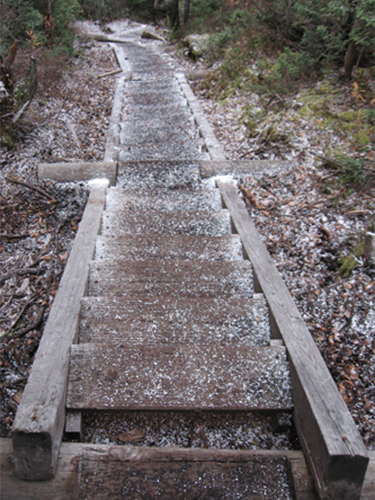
pixel 171 303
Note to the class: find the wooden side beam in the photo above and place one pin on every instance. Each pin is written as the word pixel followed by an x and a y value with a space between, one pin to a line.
pixel 40 419
pixel 329 437
pixel 80 171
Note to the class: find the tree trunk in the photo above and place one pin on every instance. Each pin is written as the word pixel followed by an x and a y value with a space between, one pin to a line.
pixel 174 15
pixel 186 10
pixel 48 21
pixel 349 60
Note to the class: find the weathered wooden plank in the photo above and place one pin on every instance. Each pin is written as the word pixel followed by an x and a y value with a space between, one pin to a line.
pixel 175 247
pixel 202 223
pixel 257 478
pixel 163 320
pixel 63 486
pixel 115 376
pixel 40 419
pixel 99 458
pixel 73 424
pixel 211 168
pixel 183 278
pixel 68 172
pixel 333 446
pixel 214 147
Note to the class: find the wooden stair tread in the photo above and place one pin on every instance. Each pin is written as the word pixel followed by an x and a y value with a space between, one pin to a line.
pixel 115 376
pixel 166 200
pixel 127 472
pixel 209 223
pixel 176 247
pixel 176 278
pixel 165 320
pixel 164 174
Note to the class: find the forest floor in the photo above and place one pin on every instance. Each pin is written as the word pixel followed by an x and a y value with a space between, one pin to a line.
pixel 312 221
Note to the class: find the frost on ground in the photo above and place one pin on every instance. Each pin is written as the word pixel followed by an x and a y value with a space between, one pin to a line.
pixel 67 121
pixel 237 430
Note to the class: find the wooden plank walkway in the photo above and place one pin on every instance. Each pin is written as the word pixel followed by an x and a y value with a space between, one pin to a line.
pixel 175 318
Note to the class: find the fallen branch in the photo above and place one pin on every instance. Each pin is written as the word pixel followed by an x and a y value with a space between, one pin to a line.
pixel 110 73
pixel 19 315
pixel 249 196
pixel 19 272
pixel 33 325
pixel 34 188
pixel 5 236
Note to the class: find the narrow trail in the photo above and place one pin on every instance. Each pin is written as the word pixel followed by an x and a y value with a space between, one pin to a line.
pixel 167 365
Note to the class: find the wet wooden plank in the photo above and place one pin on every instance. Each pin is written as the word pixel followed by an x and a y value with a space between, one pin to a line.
pixel 40 419
pixel 330 439
pixel 175 247
pixel 175 278
pixel 115 376
pixel 80 171
pixel 202 223
pixel 163 320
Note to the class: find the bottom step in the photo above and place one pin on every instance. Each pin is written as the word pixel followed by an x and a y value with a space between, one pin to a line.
pixel 148 473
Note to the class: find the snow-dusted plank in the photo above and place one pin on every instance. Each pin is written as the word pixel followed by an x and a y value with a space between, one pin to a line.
pixel 165 200
pixel 202 223
pixel 175 278
pixel 162 320
pixel 180 474
pixel 80 171
pixel 40 419
pixel 171 247
pixel 330 439
pixel 159 173
pixel 115 376
pixel 210 168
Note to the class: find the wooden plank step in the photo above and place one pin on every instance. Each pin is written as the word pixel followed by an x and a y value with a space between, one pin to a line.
pixel 203 223
pixel 82 473
pixel 175 247
pixel 115 376
pixel 175 278
pixel 164 174
pixel 166 320
pixel 165 200
pixel 184 474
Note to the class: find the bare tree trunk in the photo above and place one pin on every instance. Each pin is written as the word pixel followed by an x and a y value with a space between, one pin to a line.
pixel 349 60
pixel 48 21
pixel 186 10
pixel 174 15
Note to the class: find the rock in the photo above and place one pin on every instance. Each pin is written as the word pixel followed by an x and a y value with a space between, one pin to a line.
pixel 196 44
pixel 370 248
pixel 197 74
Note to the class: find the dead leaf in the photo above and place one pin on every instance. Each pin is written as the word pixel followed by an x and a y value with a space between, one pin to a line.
pixel 133 436
pixel 368 403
